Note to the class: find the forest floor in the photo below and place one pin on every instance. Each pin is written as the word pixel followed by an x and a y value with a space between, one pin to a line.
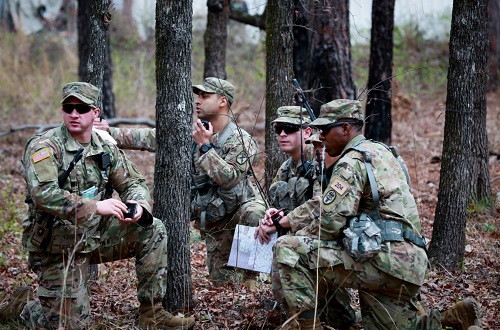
pixel 417 131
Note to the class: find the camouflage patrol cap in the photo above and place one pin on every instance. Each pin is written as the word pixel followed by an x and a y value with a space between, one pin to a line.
pixel 85 92
pixel 337 110
pixel 314 138
pixel 214 85
pixel 291 115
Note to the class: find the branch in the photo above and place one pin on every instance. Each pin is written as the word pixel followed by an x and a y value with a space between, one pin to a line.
pixel 253 20
pixel 112 122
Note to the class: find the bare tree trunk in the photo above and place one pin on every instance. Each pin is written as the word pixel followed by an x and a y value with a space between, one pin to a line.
pixel 447 247
pixel 216 39
pixel 279 88
pixel 494 49
pixel 174 112
pixel 378 104
pixel 480 188
pixel 95 60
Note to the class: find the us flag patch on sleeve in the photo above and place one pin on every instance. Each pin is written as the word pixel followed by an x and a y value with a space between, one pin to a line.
pixel 40 155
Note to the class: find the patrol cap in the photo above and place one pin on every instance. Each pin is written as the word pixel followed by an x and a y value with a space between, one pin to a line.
pixel 338 110
pixel 313 138
pixel 85 92
pixel 214 85
pixel 291 115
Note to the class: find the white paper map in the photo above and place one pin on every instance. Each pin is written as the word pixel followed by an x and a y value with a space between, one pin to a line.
pixel 248 253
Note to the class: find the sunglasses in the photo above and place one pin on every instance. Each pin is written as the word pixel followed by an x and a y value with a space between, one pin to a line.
pixel 80 108
pixel 288 128
pixel 325 129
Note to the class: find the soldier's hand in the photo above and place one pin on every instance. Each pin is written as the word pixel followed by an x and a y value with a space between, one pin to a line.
pixel 268 220
pixel 112 207
pixel 201 135
pixel 101 124
pixel 138 213
pixel 262 233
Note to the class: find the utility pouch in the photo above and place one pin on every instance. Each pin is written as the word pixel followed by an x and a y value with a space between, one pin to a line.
pixel 42 231
pixel 363 237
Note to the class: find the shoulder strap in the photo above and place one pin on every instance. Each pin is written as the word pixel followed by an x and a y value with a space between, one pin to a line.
pixel 396 155
pixel 224 135
pixel 369 171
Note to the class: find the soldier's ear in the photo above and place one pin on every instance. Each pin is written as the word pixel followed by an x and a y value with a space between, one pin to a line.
pixel 97 112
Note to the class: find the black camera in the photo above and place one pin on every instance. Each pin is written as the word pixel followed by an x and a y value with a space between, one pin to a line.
pixel 131 210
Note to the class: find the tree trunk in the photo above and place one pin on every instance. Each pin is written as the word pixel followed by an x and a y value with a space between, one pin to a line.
pixel 480 189
pixel 216 39
pixel 494 49
pixel 328 70
pixel 378 104
pixel 108 97
pixel 279 87
pixel 174 113
pixel 448 235
pixel 94 59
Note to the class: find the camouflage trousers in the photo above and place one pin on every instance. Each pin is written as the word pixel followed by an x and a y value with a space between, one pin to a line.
pixel 219 239
pixel 63 289
pixel 386 302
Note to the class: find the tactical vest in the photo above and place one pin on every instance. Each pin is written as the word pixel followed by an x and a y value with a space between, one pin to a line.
pixel 64 235
pixel 210 202
pixel 367 231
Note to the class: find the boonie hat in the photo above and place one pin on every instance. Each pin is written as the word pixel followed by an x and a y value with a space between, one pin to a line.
pixel 338 110
pixel 85 92
pixel 214 85
pixel 291 115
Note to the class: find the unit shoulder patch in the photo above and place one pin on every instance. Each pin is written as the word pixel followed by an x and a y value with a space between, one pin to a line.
pixel 40 155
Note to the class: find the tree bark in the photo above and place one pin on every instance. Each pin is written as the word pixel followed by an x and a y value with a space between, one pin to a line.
pixel 494 49
pixel 174 112
pixel 378 104
pixel 279 87
pixel 94 59
pixel 480 188
pixel 447 247
pixel 216 39
pixel 327 67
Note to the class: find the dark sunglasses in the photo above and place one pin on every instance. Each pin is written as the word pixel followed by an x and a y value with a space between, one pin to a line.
pixel 288 128
pixel 325 129
pixel 80 108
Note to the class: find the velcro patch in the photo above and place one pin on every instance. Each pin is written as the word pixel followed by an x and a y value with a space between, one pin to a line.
pixel 40 155
pixel 340 186
pixel 242 158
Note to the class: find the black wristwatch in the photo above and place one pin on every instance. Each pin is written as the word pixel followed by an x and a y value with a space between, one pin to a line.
pixel 205 147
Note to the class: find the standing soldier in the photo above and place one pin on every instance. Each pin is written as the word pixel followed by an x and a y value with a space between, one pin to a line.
pixel 73 222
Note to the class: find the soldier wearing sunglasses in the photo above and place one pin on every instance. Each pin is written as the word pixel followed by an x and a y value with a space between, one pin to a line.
pixel 368 184
pixel 88 226
pixel 294 184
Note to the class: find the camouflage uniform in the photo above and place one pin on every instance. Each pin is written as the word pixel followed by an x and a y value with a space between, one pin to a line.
pixel 79 236
pixel 292 187
pixel 233 199
pixel 389 281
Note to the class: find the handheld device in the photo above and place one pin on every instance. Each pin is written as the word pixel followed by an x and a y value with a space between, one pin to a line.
pixel 131 210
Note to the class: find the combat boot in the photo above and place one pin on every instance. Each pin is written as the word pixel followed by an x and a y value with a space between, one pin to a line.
pixel 302 324
pixel 156 317
pixel 462 315
pixel 13 308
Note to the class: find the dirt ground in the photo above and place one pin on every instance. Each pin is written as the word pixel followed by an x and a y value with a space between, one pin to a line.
pixel 418 133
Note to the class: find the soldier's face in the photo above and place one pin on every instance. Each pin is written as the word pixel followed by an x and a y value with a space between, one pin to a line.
pixel 79 124
pixel 208 105
pixel 334 140
pixel 291 143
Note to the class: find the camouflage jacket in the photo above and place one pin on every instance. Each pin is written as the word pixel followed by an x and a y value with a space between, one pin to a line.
pixel 348 194
pixel 47 155
pixel 135 138
pixel 226 168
